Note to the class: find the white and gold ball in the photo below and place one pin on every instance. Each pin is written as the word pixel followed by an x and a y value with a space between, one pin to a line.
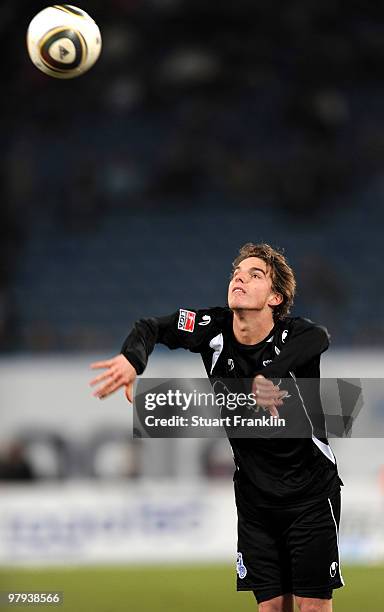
pixel 63 41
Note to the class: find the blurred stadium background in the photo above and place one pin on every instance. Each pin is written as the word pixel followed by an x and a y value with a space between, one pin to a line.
pixel 127 193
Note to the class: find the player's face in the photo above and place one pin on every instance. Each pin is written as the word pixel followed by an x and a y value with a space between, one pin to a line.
pixel 250 287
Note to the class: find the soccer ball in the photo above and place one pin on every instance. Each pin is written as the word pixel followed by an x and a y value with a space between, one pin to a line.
pixel 63 41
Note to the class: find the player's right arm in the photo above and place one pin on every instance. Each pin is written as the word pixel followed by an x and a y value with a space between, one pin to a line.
pixel 177 330
pixel 119 372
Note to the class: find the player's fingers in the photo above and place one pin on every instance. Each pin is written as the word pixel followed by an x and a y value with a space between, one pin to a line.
pixel 270 407
pixel 109 387
pixel 257 387
pixel 273 411
pixel 101 377
pixel 101 364
pixel 282 394
pixel 263 389
pixel 107 392
pixel 268 393
pixel 266 403
pixel 264 400
pixel 99 392
pixel 129 392
pixel 263 382
pixel 276 394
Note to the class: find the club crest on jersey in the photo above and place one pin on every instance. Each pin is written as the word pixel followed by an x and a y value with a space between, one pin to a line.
pixel 240 567
pixel 186 320
pixel 333 569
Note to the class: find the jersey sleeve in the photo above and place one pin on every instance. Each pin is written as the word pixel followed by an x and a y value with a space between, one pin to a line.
pixel 186 329
pixel 306 341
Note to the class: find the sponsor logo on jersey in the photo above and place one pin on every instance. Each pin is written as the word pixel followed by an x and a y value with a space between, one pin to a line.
pixel 231 364
pixel 333 569
pixel 206 319
pixel 186 320
pixel 284 335
pixel 240 567
pixel 266 362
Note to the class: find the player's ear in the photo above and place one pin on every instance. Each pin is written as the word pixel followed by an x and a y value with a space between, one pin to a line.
pixel 275 299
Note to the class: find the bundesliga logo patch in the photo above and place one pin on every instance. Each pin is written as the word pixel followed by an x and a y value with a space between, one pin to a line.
pixel 186 320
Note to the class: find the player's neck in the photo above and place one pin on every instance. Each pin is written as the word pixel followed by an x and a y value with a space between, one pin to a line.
pixel 250 326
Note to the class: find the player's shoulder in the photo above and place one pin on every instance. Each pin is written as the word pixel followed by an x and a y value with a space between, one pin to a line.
pixel 200 319
pixel 295 325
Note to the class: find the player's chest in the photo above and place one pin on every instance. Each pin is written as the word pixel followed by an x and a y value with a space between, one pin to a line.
pixel 224 358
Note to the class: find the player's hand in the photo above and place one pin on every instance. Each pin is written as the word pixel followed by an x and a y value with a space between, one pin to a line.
pixel 119 373
pixel 268 395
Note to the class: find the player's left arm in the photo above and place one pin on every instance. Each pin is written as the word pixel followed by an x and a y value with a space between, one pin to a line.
pixel 305 342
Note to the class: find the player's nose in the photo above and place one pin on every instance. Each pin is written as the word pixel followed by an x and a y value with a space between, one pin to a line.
pixel 239 277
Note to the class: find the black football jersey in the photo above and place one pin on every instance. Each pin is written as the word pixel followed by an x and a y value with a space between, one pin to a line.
pixel 272 470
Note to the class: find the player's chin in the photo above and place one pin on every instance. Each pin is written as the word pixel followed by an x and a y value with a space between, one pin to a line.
pixel 232 301
pixel 238 301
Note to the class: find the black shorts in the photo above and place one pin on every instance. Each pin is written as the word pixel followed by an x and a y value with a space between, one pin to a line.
pixel 288 550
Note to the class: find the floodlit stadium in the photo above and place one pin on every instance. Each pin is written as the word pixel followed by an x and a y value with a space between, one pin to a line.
pixel 126 194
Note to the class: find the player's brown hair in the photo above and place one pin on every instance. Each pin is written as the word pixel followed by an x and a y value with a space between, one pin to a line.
pixel 283 278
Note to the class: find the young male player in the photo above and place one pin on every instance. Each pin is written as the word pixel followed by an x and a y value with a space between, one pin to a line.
pixel 287 490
